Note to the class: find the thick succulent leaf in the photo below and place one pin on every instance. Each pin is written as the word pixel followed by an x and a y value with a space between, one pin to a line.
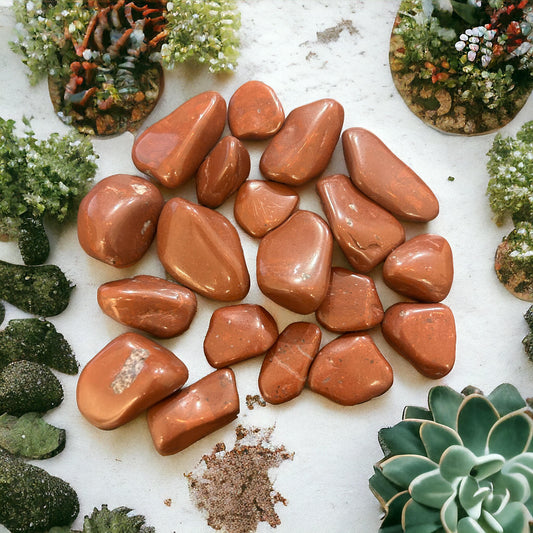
pixel 437 438
pixel 402 469
pixel 105 520
pixel 506 399
pixel 490 523
pixel 516 484
pixel 420 519
pixel 511 435
pixel 402 439
pixel 487 465
pixel 381 487
pixel 392 522
pixel 469 525
pixel 431 489
pixel 475 418
pixel 449 515
pixel 471 496
pixel 494 503
pixel 456 462
pixel 416 413
pixel 521 465
pixel 444 403
pixel 514 518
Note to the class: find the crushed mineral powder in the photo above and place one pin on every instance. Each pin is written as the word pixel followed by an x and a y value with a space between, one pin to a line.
pixel 233 487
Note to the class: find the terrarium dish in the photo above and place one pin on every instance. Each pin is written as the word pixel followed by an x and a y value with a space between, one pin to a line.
pixel 463 66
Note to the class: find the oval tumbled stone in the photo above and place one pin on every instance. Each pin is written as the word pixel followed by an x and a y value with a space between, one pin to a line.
pixel 301 150
pixel 125 378
pixel 255 112
pixel 421 268
pixel 294 261
pixel 159 307
pixel 238 332
pixel 201 249
pixel 350 370
pixel 386 179
pixel 286 365
pixel 351 303
pixel 172 149
pixel 261 206
pixel 366 232
pixel 424 334
pixel 117 219
pixel 223 171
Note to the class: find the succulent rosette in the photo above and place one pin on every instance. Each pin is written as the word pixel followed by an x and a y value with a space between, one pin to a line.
pixel 465 465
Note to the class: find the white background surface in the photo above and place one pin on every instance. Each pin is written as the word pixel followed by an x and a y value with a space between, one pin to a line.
pixel 334 447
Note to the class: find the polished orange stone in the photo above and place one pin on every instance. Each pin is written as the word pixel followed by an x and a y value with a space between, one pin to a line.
pixel 301 150
pixel 286 365
pixel 366 232
pixel 238 332
pixel 201 249
pixel 172 149
pixel 421 268
pixel 261 206
pixel 117 219
pixel 223 171
pixel 386 179
pixel 125 378
pixel 159 307
pixel 424 334
pixel 351 303
pixel 294 261
pixel 255 112
pixel 350 370
pixel 194 412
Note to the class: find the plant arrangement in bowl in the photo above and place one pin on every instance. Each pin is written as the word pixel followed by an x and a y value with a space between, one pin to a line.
pixel 463 66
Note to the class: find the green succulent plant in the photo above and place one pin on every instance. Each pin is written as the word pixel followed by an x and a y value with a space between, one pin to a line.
pixel 465 465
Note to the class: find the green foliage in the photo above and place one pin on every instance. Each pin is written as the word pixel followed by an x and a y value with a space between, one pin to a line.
pixel 41 290
pixel 510 166
pixel 30 437
pixel 36 339
pixel 33 501
pixel 204 31
pixel 27 387
pixel 115 521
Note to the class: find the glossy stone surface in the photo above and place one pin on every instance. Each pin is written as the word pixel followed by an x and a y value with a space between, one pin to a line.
pixel 117 219
pixel 350 370
pixel 238 332
pixel 222 172
pixel 172 149
pixel 201 249
pixel 159 307
pixel 366 232
pixel 351 303
pixel 285 367
pixel 194 412
pixel 129 375
pixel 294 261
pixel 424 334
pixel 261 206
pixel 255 112
pixel 301 150
pixel 421 268
pixel 386 179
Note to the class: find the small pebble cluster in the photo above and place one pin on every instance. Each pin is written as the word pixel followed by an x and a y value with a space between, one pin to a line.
pixel 201 249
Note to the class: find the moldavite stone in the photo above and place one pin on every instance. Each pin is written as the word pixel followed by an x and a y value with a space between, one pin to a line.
pixel 33 501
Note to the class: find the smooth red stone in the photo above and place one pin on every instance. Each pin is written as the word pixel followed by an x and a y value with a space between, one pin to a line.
pixel 223 171
pixel 194 412
pixel 350 370
pixel 238 332
pixel 294 261
pixel 424 334
pixel 125 378
pixel 285 367
pixel 117 219
pixel 301 150
pixel 172 149
pixel 159 307
pixel 386 179
pixel 255 112
pixel 261 206
pixel 366 232
pixel 421 268
pixel 201 249
pixel 351 303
